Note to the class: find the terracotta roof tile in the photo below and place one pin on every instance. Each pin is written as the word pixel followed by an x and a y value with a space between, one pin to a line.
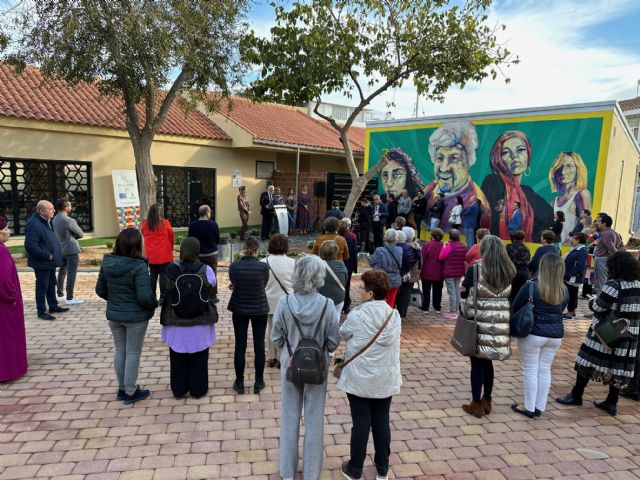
pixel 29 96
pixel 631 104
pixel 277 123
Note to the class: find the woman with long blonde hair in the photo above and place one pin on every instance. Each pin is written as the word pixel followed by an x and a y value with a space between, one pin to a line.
pixel 569 177
pixel 537 350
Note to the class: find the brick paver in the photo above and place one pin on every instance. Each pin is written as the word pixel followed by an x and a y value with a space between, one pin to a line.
pixel 61 420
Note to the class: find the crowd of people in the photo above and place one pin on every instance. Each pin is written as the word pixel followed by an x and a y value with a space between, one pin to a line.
pixel 300 311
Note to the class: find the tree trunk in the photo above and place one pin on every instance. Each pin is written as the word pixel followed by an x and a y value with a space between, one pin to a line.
pixel 144 171
pixel 357 187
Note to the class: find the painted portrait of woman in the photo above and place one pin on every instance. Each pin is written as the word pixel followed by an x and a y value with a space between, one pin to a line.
pixel 510 160
pixel 568 178
pixel 399 173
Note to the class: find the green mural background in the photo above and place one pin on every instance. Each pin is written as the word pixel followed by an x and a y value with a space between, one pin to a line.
pixel 548 138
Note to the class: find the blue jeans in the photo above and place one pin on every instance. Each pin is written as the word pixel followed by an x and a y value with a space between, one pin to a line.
pixel 128 338
pixel 469 235
pixel 46 290
pixel 434 222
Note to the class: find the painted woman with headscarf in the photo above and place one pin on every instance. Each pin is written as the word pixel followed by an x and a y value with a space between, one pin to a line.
pixel 399 173
pixel 189 336
pixel 13 344
pixel 510 160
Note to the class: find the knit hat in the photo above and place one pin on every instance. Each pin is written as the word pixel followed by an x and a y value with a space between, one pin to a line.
pixel 189 249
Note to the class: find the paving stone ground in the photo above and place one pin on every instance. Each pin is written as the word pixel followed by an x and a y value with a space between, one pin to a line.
pixel 61 420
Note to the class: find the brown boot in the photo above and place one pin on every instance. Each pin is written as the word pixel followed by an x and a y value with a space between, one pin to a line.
pixel 474 408
pixel 486 406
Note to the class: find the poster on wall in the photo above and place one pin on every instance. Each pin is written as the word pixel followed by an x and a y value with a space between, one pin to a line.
pixel 546 165
pixel 125 192
pixel 236 178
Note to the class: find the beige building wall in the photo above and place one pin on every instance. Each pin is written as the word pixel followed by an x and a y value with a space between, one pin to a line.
pixel 110 149
pixel 619 190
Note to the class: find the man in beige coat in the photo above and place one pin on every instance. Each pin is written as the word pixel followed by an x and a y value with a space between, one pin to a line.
pixel 243 210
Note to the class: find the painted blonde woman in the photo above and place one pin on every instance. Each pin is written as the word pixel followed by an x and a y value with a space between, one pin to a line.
pixel 568 177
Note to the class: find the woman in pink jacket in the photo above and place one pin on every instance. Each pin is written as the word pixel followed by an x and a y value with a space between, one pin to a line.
pixel 452 257
pixel 431 273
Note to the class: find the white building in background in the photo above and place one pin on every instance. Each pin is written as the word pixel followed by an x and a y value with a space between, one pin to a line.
pixel 340 113
pixel 631 110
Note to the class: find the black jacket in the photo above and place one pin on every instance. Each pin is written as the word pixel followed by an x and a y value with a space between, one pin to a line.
pixel 42 244
pixel 249 277
pixel 547 318
pixel 266 207
pixel 365 218
pixel 207 233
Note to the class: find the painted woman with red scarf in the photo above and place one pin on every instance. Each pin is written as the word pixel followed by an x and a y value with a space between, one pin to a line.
pixel 510 160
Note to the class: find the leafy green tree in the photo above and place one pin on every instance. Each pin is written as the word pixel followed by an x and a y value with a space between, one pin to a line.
pixel 149 53
pixel 361 48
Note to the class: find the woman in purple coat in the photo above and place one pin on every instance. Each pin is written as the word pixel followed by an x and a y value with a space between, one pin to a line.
pixel 13 343
pixel 304 210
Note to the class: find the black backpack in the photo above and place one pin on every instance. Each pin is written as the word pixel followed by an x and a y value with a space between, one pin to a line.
pixel 189 296
pixel 307 364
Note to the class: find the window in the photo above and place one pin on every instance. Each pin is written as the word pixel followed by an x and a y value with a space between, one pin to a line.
pixel 24 182
pixel 634 123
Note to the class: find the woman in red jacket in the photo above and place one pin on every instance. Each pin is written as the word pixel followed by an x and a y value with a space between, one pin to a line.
pixel 452 258
pixel 158 243
pixel 431 273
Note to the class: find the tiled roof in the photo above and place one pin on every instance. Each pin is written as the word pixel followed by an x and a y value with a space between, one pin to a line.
pixel 30 96
pixel 272 122
pixel 631 104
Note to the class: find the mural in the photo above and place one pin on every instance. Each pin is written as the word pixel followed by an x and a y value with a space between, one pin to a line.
pixel 545 165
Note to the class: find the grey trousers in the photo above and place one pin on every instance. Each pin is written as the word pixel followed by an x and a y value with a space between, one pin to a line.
pixel 69 269
pixel 600 268
pixel 293 398
pixel 128 338
pixel 453 289
pixel 272 350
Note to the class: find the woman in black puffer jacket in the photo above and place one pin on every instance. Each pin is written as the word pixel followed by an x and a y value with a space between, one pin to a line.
pixel 248 303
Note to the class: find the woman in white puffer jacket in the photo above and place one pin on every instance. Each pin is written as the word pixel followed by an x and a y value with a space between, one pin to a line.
pixel 372 378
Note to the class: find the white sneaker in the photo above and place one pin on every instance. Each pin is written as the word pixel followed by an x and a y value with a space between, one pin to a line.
pixel 380 477
pixel 60 297
pixel 74 301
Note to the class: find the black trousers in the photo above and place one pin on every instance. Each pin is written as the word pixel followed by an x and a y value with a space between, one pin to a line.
pixel 427 286
pixel 347 295
pixel 418 219
pixel 212 261
pixel 581 383
pixel 265 229
pixel 378 228
pixel 157 271
pixel 516 284
pixel 240 330
pixel 363 240
pixel 189 373
pixel 573 297
pixel 481 376
pixel 403 298
pixel 369 414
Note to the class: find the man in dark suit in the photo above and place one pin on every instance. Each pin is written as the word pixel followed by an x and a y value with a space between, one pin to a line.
pixel 379 212
pixel 335 211
pixel 44 255
pixel 365 223
pixel 267 211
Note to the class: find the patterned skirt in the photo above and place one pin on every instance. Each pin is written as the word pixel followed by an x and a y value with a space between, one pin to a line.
pixel 609 366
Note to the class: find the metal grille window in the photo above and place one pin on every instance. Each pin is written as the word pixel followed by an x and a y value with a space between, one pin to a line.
pixel 182 190
pixel 24 182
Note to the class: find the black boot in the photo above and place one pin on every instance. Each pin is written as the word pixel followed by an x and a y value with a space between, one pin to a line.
pixel 238 386
pixel 259 385
pixel 610 408
pixel 569 399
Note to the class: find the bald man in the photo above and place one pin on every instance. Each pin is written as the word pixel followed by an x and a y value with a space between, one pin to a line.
pixel 44 255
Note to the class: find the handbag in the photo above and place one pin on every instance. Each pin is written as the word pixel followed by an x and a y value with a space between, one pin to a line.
pixel 521 322
pixel 465 334
pixel 416 297
pixel 613 330
pixel 340 363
